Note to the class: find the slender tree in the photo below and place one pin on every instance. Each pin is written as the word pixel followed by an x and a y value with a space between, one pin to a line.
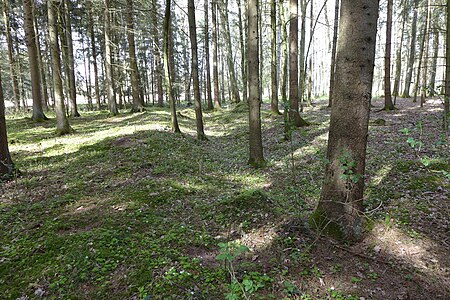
pixel 398 55
pixel 447 73
pixel 62 124
pixel 340 209
pixel 12 61
pixel 167 71
pixel 157 54
pixel 423 40
pixel 388 104
pixel 6 163
pixel 195 78
pixel 216 95
pixel 138 104
pixel 412 52
pixel 94 54
pixel 110 82
pixel 274 59
pixel 294 114
pixel 209 100
pixel 255 137
pixel 333 53
pixel 229 52
pixel 30 35
pixel 242 40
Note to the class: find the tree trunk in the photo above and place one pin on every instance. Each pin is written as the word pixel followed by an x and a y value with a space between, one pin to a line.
pixel 94 56
pixel 302 76
pixel 216 94
pixel 157 55
pixel 167 72
pixel 333 53
pixel 285 58
pixel 412 52
pixel 255 138
pixel 6 164
pixel 30 35
pixel 71 62
pixel 110 82
pixel 434 60
pixel 398 55
pixel 195 78
pixel 138 104
pixel 340 210
pixel 447 74
pixel 423 39
pixel 426 36
pixel 62 124
pixel 274 60
pixel 388 105
pixel 243 60
pixel 294 115
pixel 41 67
pixel 12 61
pixel 229 51
pixel 209 100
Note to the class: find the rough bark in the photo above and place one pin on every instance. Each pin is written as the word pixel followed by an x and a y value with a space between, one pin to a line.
pixel 255 137
pixel 195 78
pixel 340 209
pixel 36 87
pixel 167 72
pixel 62 123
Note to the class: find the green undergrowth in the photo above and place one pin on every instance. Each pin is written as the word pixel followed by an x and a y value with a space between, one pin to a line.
pixel 125 209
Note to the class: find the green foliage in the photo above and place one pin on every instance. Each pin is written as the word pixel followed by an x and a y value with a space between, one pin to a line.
pixel 335 294
pixel 348 167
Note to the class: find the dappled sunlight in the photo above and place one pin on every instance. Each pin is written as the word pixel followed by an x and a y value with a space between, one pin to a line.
pixel 381 174
pixel 421 253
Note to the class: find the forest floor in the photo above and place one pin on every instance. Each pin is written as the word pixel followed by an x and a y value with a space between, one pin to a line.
pixel 125 209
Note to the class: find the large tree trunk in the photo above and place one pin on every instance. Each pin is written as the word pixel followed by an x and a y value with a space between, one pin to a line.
pixel 62 124
pixel 195 79
pixel 167 71
pixel 138 104
pixel 412 52
pixel 255 138
pixel 6 164
pixel 12 61
pixel 274 60
pixel 340 210
pixel 216 94
pixel 333 53
pixel 157 55
pixel 110 82
pixel 30 35
pixel 294 114
pixel 388 104
pixel 230 61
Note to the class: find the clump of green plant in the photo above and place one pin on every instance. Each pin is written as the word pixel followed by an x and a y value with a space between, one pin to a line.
pixel 250 282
